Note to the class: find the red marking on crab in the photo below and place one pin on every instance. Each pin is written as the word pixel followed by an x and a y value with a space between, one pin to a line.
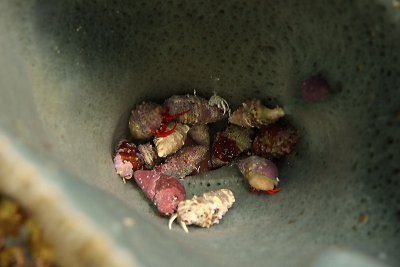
pixel 168 117
pixel 269 192
pixel 163 133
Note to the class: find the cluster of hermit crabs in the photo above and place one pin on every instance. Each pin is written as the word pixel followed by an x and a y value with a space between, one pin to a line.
pixel 172 141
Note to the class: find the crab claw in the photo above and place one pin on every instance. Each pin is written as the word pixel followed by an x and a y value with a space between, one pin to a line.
pixel 269 192
pixel 273 191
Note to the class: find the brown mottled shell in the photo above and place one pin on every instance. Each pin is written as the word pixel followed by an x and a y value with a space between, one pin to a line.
pixel 200 134
pixel 254 114
pixel 170 144
pixel 149 154
pixel 145 119
pixel 206 210
pixel 275 141
pixel 184 162
pixel 195 108
pixel 229 144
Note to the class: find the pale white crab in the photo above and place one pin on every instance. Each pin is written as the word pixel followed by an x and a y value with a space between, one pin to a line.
pixel 221 103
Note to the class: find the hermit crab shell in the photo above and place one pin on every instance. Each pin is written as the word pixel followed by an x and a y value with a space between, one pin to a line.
pixel 195 211
pixel 200 134
pixel 254 114
pixel 195 109
pixel 145 119
pixel 204 211
pixel 127 159
pixel 261 173
pixel 164 191
pixel 275 140
pixel 149 154
pixel 184 162
pixel 170 144
pixel 229 144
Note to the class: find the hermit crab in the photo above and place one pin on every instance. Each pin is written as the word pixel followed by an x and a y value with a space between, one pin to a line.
pixel 275 140
pixel 145 119
pixel 127 159
pixel 254 114
pixel 169 144
pixel 203 211
pixel 163 190
pixel 200 134
pixel 195 110
pixel 184 162
pixel 261 173
pixel 229 144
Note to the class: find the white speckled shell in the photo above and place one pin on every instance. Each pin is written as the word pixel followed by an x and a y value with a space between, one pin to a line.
pixel 170 144
pixel 206 210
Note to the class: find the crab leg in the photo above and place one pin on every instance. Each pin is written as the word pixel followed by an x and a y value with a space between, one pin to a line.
pixel 171 220
pixel 184 227
pixel 269 192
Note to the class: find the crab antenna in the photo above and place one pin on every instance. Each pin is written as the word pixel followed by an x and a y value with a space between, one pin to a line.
pixel 171 220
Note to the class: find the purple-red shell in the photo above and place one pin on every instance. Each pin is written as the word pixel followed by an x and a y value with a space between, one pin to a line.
pixel 195 109
pixel 145 119
pixel 169 193
pixel 127 159
pixel 275 141
pixel 184 162
pixel 164 191
pixel 314 89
